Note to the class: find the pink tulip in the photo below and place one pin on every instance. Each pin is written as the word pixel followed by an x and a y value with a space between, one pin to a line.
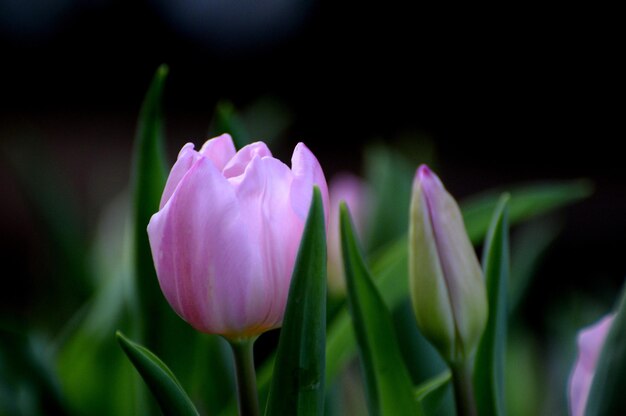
pixel 225 239
pixel 590 342
pixel 353 191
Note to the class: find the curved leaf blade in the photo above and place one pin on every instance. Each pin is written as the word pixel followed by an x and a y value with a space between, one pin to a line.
pixel 526 202
pixel 388 384
pixel 297 385
pixel 160 380
pixel 489 365
pixel 149 174
pixel 432 394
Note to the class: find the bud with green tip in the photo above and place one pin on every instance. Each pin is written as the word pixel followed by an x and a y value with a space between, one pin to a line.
pixel 446 281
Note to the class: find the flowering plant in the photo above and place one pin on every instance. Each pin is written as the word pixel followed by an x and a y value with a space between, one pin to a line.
pixel 234 247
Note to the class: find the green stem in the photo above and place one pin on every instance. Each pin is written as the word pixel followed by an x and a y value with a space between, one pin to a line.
pixel 462 379
pixel 246 377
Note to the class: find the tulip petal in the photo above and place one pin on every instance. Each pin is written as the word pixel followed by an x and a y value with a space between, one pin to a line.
pixel 307 172
pixel 264 197
pixel 237 165
pixel 220 150
pixel 186 158
pixel 590 343
pixel 201 250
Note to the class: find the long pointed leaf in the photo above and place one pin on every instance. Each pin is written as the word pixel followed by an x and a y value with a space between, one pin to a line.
pixel 607 389
pixel 148 180
pixel 162 383
pixel 298 381
pixel 489 368
pixel 526 202
pixel 389 388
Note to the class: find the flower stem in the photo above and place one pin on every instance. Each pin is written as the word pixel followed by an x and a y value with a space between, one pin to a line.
pixel 462 379
pixel 246 377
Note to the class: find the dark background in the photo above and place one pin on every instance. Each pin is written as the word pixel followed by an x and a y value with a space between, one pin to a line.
pixel 506 96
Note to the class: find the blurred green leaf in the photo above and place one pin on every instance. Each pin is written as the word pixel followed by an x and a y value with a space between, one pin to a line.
pixel 267 119
pixel 149 173
pixel 298 380
pixel 389 387
pixel 226 120
pixel 162 383
pixel 526 384
pixel 489 364
pixel 210 373
pixel 606 396
pixel 527 250
pixel 85 350
pixel 433 394
pixel 55 208
pixel 526 202
pixel 28 382
pixel 389 174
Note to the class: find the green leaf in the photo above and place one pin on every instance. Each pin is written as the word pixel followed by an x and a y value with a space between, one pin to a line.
pixel 149 174
pixel 606 396
pixel 54 206
pixel 489 365
pixel 422 359
pixel 29 383
pixel 526 202
pixel 389 173
pixel 432 393
pixel 298 381
pixel 388 384
pixel 527 251
pixel 162 383
pixel 226 120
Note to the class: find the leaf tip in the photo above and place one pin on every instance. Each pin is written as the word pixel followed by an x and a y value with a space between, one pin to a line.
pixel 163 71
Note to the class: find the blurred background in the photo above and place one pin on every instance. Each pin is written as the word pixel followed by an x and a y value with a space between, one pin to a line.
pixel 491 97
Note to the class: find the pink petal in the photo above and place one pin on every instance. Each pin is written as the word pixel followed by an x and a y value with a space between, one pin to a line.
pixel 219 150
pixel 237 165
pixel 264 195
pixel 307 172
pixel 590 342
pixel 186 158
pixel 202 252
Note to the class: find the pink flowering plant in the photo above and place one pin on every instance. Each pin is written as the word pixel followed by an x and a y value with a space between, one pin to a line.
pixel 250 285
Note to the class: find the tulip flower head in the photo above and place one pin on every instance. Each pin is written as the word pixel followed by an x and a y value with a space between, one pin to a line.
pixel 226 236
pixel 590 343
pixel 353 191
pixel 447 286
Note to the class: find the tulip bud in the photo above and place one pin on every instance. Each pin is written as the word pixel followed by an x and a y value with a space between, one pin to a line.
pixel 446 282
pixel 590 343
pixel 225 239
pixel 353 191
